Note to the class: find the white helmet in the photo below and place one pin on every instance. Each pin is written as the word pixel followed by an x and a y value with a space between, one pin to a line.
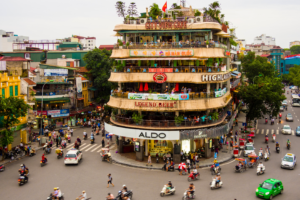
pixel 21 165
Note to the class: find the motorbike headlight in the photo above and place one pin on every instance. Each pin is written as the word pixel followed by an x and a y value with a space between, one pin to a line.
pixel 267 193
pixel 256 190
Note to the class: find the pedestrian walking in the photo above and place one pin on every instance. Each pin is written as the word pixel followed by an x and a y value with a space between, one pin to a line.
pixel 149 160
pixel 71 132
pixel 231 145
pixel 216 152
pixel 49 134
pixel 268 149
pixel 235 138
pixel 68 128
pixel 103 132
pixel 56 141
pixel 103 142
pixel 236 121
pixel 110 180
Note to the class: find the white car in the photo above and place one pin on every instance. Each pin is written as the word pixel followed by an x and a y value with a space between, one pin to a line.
pixel 73 157
pixel 284 102
pixel 249 149
pixel 286 130
pixel 288 161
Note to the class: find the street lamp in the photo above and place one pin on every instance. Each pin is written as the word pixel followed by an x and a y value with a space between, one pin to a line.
pixel 42 107
pixel 256 76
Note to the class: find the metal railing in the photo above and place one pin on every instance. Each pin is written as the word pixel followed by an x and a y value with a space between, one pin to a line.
pixel 203 120
pixel 48 93
pixel 170 45
pixel 167 69
pixel 142 21
pixel 192 95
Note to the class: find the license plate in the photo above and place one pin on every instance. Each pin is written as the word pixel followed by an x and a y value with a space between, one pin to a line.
pixel 21 176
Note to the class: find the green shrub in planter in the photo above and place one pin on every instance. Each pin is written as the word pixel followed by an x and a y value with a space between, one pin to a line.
pixel 178 120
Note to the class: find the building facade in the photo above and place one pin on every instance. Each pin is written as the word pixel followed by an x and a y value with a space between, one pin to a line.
pixel 173 86
pixel 7 39
pixel 267 40
pixel 294 43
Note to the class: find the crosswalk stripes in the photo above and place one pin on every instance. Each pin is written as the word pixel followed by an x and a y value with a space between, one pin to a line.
pixel 84 147
pixel 90 148
pixel 98 151
pixel 257 132
pixel 277 132
pixel 262 131
pixel 272 131
pixel 267 132
pixel 293 132
pixel 96 148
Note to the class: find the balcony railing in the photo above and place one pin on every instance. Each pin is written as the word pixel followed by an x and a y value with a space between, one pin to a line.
pixel 152 96
pixel 51 93
pixel 138 21
pixel 202 121
pixel 170 45
pixel 167 69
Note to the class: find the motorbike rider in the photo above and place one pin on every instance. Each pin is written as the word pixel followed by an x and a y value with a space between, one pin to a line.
pixel 195 172
pixel 23 168
pixel 280 115
pixel 22 173
pixel 288 142
pixel 261 151
pixel 44 159
pixel 169 187
pixel 124 191
pixel 277 145
pixel 84 134
pixel 218 179
pixel 261 166
pixel 78 140
pixel 92 137
pixel 270 116
pixel 191 189
pixel 274 136
pixel 110 196
pixel 272 120
pixel 266 137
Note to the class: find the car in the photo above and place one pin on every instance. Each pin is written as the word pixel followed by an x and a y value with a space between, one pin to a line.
pixel 286 130
pixel 289 161
pixel 291 86
pixel 289 117
pixel 284 102
pixel 269 188
pixel 297 132
pixel 281 108
pixel 73 157
pixel 249 149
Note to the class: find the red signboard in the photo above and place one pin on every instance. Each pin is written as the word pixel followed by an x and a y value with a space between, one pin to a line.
pixel 160 77
pixel 166 70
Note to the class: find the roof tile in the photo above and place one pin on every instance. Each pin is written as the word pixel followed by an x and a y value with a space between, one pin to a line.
pixel 29 81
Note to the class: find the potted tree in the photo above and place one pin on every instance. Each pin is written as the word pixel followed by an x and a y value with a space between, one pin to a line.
pixel 137 118
pixel 178 120
pixel 207 43
pixel 214 116
pixel 120 42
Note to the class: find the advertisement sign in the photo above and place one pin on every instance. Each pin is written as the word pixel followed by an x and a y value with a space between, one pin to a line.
pixel 55 72
pixel 161 53
pixel 142 134
pixel 39 112
pixel 59 113
pixel 166 70
pixel 220 93
pixel 52 93
pixel 137 146
pixel 149 96
pixel 156 104
pixel 160 77
pixel 79 87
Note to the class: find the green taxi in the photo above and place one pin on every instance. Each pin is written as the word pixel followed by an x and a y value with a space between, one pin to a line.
pixel 269 188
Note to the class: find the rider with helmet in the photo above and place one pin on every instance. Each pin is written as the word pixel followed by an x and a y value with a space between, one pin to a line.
pixel 195 172
pixel 288 142
pixel 218 179
pixel 169 187
pixel 191 189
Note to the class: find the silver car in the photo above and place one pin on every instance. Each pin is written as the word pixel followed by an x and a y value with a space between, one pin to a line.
pixel 286 130
pixel 289 161
pixel 249 149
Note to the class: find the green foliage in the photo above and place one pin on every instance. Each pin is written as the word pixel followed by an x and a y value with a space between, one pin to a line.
pixel 120 7
pixel 214 115
pixel 137 118
pixel 295 49
pixel 120 42
pixel 100 65
pixel 253 67
pixel 179 119
pixel 180 14
pixel 294 75
pixel 232 42
pixel 132 9
pixel 197 13
pixel 155 11
pixel 210 62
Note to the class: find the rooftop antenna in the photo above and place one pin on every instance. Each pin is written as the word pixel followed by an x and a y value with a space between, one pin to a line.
pixel 182 2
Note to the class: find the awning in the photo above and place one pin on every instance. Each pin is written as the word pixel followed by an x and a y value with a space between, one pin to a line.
pixel 163 59
pixel 237 74
pixel 92 88
pixel 55 100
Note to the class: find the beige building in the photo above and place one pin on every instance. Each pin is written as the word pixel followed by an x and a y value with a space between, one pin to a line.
pixel 294 43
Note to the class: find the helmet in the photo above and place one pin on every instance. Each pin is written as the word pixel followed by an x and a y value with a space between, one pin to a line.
pixel 218 174
pixel 77 136
pixel 21 165
pixel 288 139
pixel 169 181
pixel 124 185
pixel 55 188
pixel 276 142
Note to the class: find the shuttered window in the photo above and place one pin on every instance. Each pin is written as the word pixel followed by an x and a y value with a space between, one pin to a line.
pixel 11 91
pixel 3 93
pixel 16 90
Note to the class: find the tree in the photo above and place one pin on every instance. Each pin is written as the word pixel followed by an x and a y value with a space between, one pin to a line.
pixel 294 75
pixel 10 110
pixel 132 9
pixel 295 49
pixel 121 10
pixel 100 64
pixel 155 11
pixel 253 66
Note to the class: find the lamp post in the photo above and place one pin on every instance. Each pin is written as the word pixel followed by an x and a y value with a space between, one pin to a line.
pixel 42 107
pixel 256 76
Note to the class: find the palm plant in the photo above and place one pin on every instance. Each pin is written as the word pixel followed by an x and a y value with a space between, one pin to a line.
pixel 155 11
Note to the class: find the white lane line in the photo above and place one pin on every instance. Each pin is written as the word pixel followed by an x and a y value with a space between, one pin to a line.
pixel 272 131
pixel 99 150
pixel 85 147
pixel 73 146
pixel 257 132
pixel 277 132
pixel 293 132
pixel 96 148
pixel 90 148
pixel 267 132
pixel 262 131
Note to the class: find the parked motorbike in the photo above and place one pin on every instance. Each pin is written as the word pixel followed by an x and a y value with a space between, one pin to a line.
pixel 2 168
pixel 164 191
pixel 213 184
pixel 191 196
pixel 193 177
pixel 22 180
pixel 260 170
pixel 277 149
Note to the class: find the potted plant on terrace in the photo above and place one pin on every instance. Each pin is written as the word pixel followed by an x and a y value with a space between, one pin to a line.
pixel 214 116
pixel 178 120
pixel 137 118
pixel 207 43
pixel 120 42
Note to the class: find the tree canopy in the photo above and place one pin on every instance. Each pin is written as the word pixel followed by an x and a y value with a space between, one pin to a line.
pixel 100 64
pixel 294 75
pixel 295 49
pixel 121 10
pixel 155 11
pixel 132 10
pixel 10 110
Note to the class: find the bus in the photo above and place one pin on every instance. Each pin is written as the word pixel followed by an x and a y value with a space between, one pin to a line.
pixel 295 100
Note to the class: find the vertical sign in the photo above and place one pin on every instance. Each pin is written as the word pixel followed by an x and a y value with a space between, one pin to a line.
pixel 79 87
pixel 137 146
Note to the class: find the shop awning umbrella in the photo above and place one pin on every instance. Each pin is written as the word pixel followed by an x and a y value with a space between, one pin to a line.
pixel 177 87
pixel 240 159
pixel 146 87
pixel 241 139
pixel 110 134
pixel 182 166
pixel 141 87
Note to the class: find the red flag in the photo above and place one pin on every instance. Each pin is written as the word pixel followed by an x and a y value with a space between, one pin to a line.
pixel 164 8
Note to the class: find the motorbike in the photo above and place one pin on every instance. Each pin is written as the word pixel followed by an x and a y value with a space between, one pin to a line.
pixel 69 139
pixel 240 169
pixel 171 168
pixel 2 168
pixel 32 152
pixel 192 177
pixel 266 140
pixel 18 152
pixel 92 141
pixel 60 154
pixel 47 151
pixel 277 149
pixel 213 184
pixel 260 155
pixel 266 157
pixel 260 170
pixel 191 196
pixel 164 191
pixel 85 137
pixel 266 121
pixel 60 198
pixel 43 162
pixel 273 139
pixel 214 171
pixel 128 194
pixel 157 159
pixel 288 146
pixel 22 180
pixel 272 122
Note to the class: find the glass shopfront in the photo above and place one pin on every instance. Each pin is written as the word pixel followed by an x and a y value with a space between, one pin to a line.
pixel 160 147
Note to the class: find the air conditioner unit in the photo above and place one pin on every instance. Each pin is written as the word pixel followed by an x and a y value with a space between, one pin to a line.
pixel 191 21
pixel 132 21
pixel 143 20
pixel 199 19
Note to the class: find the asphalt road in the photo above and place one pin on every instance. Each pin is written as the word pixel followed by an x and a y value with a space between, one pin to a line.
pixel 91 174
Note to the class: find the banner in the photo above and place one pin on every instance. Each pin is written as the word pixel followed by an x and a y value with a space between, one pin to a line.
pixel 55 72
pixel 59 113
pixel 220 93
pixel 161 53
pixel 39 112
pixel 79 87
pixel 149 96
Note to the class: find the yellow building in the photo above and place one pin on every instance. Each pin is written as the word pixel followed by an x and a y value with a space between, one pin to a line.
pixel 11 87
pixel 85 92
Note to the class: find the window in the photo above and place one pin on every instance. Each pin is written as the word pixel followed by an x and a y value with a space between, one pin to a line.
pixel 16 90
pixel 11 91
pixel 281 70
pixel 27 55
pixel 288 66
pixel 68 64
pixel 3 93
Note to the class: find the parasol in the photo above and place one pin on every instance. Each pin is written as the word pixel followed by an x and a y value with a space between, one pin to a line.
pixel 240 159
pixel 146 87
pixel 182 166
pixel 141 87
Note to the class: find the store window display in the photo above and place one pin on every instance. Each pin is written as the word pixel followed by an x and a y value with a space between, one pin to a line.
pixel 160 147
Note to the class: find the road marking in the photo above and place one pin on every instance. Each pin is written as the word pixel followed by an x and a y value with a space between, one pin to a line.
pixel 277 132
pixel 267 132
pixel 257 132
pixel 90 148
pixel 99 150
pixel 85 147
pixel 262 131
pixel 96 148
pixel 293 132
pixel 272 131
pixel 73 146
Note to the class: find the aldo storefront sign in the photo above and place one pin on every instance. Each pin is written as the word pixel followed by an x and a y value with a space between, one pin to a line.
pixel 142 134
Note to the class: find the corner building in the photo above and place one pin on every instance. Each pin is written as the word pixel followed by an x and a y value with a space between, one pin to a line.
pixel 173 90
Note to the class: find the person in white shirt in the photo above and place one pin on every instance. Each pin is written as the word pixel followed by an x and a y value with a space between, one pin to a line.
pixel 89 123
pixel 84 134
pixel 195 172
pixel 59 192
pixel 83 196
pixel 110 196
pixel 261 166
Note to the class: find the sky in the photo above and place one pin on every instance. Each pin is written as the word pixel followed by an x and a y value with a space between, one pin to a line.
pixel 58 19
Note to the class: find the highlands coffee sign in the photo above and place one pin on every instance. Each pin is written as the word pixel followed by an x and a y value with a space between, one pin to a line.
pixel 166 25
pixel 142 134
pixel 215 77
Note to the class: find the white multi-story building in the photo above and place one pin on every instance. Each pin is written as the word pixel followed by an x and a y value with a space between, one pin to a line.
pixel 8 38
pixel 88 43
pixel 263 39
pixel 294 43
